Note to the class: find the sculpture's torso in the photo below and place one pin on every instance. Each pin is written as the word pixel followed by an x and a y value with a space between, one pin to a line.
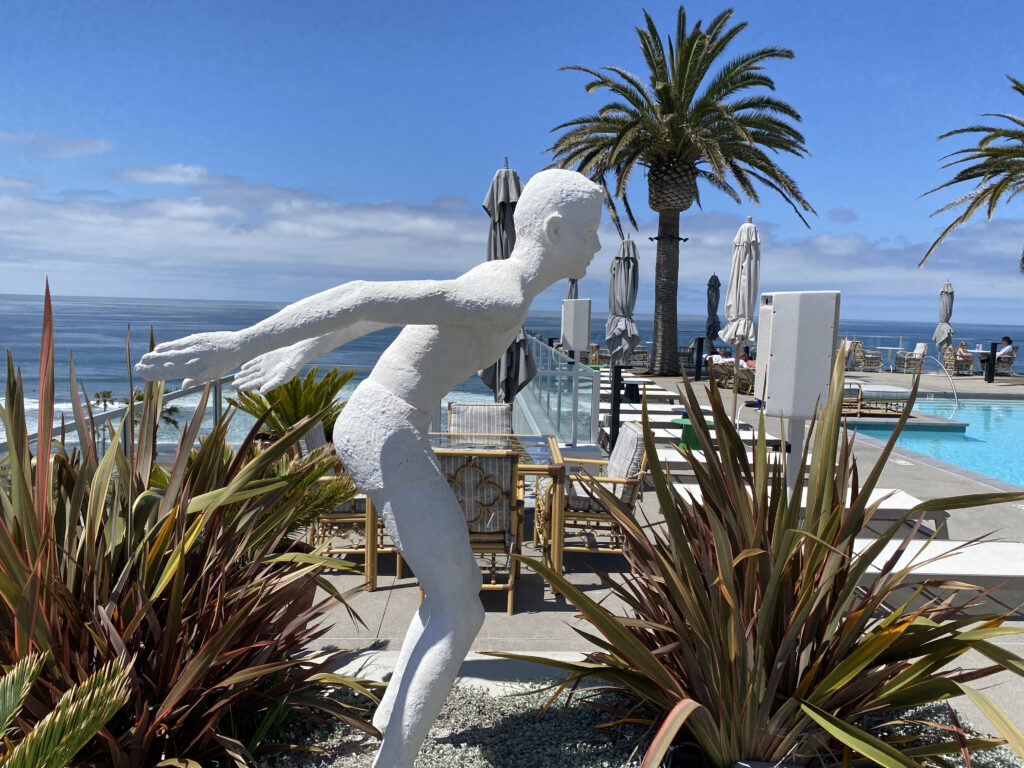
pixel 426 361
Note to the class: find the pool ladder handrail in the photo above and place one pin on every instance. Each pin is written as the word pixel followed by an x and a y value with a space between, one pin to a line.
pixel 956 397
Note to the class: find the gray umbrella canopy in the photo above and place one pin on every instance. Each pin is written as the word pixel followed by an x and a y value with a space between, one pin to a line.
pixel 516 367
pixel 944 331
pixel 620 334
pixel 741 298
pixel 713 325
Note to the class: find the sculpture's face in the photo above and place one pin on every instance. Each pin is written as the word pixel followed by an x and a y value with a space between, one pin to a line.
pixel 577 238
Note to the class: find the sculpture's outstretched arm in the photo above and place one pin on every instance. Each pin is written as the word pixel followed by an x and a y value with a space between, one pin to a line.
pixel 208 356
pixel 272 369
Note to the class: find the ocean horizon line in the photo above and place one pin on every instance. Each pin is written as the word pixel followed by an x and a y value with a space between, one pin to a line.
pixel 546 313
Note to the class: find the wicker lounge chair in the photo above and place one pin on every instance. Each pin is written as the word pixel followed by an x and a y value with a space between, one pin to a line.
pixel 911 362
pixel 859 397
pixel 743 381
pixel 351 528
pixel 486 484
pixel 584 515
pixel 723 374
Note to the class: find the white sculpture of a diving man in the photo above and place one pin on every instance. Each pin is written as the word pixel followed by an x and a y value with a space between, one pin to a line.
pixel 452 328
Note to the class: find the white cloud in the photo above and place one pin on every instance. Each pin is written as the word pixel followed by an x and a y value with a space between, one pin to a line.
pixel 12 182
pixel 232 240
pixel 165 174
pixel 43 144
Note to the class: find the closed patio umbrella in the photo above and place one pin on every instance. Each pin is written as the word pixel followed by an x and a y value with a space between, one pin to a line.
pixel 516 367
pixel 620 334
pixel 741 298
pixel 713 325
pixel 944 331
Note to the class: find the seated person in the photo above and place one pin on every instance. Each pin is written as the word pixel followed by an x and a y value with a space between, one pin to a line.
pixel 746 361
pixel 1005 352
pixel 962 353
pixel 716 356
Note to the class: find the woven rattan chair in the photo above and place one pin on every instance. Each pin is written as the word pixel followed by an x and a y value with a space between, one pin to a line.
pixel 486 485
pixel 911 362
pixel 723 374
pixel 586 524
pixel 743 381
pixel 958 366
pixel 865 359
pixel 1004 364
pixel 351 528
pixel 639 355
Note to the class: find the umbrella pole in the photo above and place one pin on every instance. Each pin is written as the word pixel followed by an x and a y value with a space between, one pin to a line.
pixel 735 387
pixel 613 427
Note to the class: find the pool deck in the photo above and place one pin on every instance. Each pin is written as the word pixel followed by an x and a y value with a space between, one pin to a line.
pixel 544 624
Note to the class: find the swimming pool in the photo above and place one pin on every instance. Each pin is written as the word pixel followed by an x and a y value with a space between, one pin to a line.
pixel 993 443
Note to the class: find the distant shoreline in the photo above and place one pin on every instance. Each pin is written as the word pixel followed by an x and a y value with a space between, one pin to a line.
pixel 597 311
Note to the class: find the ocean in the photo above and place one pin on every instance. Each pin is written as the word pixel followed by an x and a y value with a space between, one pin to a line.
pixel 95 331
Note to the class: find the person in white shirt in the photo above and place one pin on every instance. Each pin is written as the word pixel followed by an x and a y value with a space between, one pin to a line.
pixel 1005 352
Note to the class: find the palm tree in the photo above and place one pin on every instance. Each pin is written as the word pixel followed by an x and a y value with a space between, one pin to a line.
pixel 104 398
pixel 686 124
pixel 997 169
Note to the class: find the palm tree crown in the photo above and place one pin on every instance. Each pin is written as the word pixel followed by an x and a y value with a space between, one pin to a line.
pixel 997 168
pixel 686 123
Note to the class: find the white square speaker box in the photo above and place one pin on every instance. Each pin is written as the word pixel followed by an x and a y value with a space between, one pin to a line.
pixel 797 336
pixel 576 324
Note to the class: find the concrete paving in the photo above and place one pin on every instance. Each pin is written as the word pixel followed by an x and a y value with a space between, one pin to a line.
pixel 545 624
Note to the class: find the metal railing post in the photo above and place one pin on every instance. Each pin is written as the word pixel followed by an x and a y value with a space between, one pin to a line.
pixel 575 399
pixel 216 401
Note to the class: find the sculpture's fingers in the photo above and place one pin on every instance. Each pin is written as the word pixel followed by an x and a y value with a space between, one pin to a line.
pixel 275 381
pixel 246 380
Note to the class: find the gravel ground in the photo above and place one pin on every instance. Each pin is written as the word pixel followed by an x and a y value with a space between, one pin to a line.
pixel 477 729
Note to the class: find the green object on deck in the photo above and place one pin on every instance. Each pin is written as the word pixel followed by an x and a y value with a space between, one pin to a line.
pixel 689 433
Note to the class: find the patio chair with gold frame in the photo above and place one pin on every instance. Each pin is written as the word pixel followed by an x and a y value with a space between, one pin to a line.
pixel 911 362
pixel 486 485
pixel 1004 364
pixel 865 359
pixel 584 514
pixel 958 366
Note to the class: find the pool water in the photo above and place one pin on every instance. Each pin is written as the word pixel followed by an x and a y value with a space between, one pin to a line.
pixel 992 445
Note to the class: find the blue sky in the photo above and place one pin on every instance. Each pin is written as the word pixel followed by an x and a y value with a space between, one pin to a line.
pixel 267 150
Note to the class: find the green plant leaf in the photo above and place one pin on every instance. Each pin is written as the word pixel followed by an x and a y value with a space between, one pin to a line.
pixel 872 748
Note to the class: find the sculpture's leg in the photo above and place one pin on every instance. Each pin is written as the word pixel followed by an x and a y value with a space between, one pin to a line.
pixel 382 715
pixel 429 529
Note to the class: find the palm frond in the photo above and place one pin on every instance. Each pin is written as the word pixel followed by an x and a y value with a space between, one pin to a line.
pixel 997 171
pixel 79 715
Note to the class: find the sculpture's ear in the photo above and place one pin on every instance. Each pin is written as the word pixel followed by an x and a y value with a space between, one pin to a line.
pixel 552 228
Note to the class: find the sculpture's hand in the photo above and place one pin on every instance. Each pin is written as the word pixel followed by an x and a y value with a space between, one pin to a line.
pixel 272 369
pixel 199 357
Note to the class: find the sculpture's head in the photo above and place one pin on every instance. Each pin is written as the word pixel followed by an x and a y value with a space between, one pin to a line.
pixel 560 211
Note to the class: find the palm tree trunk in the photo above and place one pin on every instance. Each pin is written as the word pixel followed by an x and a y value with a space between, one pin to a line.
pixel 665 354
